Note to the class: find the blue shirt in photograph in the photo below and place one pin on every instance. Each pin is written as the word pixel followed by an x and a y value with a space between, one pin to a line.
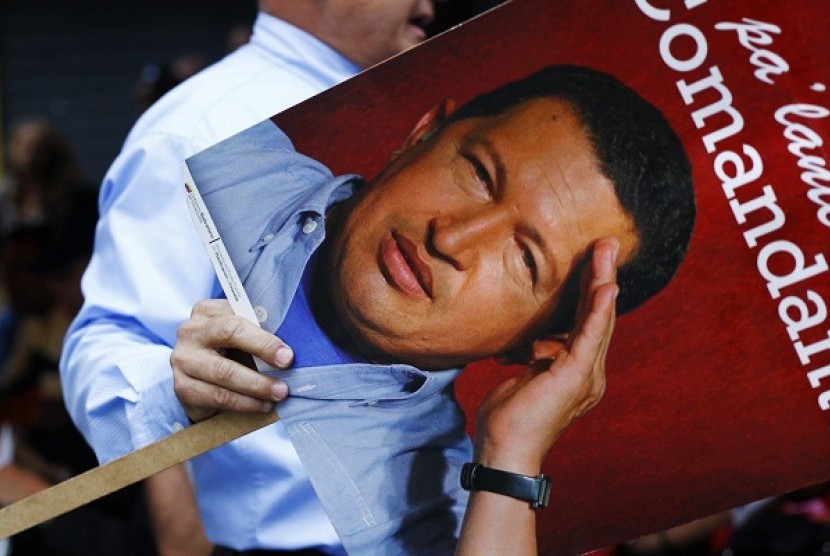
pixel 382 444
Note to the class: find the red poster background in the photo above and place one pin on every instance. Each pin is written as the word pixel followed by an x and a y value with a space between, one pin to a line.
pixel 708 406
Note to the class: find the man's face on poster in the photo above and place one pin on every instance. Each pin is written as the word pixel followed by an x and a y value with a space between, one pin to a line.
pixel 460 249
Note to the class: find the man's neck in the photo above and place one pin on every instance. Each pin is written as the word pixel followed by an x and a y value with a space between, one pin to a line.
pixel 321 303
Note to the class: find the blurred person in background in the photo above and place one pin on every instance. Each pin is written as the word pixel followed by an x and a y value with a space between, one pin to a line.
pixel 155 80
pixel 42 173
pixel 35 203
pixel 49 218
pixel 237 36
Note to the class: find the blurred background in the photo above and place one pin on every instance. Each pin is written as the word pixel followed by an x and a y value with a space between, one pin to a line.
pixel 74 76
pixel 90 66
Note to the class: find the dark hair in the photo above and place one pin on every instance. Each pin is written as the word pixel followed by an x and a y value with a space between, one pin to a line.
pixel 638 151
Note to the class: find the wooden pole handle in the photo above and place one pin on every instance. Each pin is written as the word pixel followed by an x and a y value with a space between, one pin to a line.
pixel 131 468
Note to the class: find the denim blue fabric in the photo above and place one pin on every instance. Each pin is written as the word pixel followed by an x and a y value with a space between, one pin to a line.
pixel 382 444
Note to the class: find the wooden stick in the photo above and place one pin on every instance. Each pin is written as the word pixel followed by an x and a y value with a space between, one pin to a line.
pixel 131 468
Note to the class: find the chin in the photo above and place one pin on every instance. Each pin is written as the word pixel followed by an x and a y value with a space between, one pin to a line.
pixel 417 356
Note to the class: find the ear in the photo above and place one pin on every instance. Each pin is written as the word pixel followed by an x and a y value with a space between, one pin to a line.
pixel 540 349
pixel 429 122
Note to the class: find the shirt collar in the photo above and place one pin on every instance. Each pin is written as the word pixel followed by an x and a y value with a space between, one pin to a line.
pixel 364 382
pixel 298 48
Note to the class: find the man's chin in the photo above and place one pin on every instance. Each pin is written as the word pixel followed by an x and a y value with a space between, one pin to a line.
pixel 427 360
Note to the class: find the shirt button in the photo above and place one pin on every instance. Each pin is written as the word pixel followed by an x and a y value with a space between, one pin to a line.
pixel 267 237
pixel 261 313
pixel 309 226
pixel 177 427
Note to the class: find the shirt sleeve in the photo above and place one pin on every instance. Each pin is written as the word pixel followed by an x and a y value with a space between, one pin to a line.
pixel 147 270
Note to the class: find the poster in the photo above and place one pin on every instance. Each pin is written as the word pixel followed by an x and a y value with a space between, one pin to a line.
pixel 718 388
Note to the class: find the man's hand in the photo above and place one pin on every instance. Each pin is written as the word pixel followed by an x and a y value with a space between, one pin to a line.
pixel 521 418
pixel 207 380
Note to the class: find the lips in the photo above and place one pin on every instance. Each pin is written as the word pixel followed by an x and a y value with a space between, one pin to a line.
pixel 403 268
pixel 420 19
pixel 418 31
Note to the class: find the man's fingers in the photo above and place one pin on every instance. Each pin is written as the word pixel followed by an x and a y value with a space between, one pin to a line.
pixel 202 399
pixel 602 269
pixel 606 341
pixel 580 370
pixel 211 367
pixel 211 308
pixel 606 275
pixel 604 261
pixel 596 314
pixel 212 327
pixel 552 394
pixel 591 339
pixel 206 382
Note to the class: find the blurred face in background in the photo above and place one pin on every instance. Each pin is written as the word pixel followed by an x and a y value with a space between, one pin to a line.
pixel 364 31
pixel 369 31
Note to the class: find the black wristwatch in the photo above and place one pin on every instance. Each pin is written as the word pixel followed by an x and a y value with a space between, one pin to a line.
pixel 535 490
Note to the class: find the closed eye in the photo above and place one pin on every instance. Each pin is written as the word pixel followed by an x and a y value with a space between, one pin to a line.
pixel 482 176
pixel 530 262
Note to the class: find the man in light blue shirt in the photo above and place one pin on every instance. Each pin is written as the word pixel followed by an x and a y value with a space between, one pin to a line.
pixel 462 248
pixel 148 269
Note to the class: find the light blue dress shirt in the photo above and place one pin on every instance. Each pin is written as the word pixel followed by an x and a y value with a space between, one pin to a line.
pixel 383 444
pixel 149 268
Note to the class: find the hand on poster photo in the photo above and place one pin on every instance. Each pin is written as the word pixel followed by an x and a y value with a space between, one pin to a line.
pixel 522 417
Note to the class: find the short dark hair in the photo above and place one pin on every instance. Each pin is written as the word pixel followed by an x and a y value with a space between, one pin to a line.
pixel 638 151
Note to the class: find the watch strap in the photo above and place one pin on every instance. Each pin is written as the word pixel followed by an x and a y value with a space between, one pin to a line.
pixel 535 490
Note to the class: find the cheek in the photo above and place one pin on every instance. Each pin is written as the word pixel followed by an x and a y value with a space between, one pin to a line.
pixel 495 309
pixel 385 32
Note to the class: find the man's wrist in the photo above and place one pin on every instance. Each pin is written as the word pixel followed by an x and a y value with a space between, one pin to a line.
pixel 514 460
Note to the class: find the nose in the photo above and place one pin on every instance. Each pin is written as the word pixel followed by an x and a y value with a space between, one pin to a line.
pixel 462 240
pixel 425 11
